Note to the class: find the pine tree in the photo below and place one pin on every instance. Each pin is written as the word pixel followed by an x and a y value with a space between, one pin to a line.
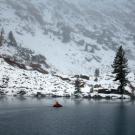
pixel 2 37
pixel 97 72
pixel 120 66
pixel 77 87
pixel 11 39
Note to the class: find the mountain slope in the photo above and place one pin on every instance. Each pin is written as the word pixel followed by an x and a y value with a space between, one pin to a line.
pixel 18 82
pixel 75 36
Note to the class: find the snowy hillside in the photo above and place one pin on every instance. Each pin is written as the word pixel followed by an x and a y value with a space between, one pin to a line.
pixel 16 82
pixel 75 36
pixel 13 80
pixel 21 57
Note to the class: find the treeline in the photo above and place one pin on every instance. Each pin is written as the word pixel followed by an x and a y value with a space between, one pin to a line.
pixel 120 71
pixel 10 40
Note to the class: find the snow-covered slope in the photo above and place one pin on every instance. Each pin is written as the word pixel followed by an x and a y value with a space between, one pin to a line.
pixel 15 81
pixel 76 36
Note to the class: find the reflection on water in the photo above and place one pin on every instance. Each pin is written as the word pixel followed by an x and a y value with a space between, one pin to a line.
pixel 33 116
pixel 120 119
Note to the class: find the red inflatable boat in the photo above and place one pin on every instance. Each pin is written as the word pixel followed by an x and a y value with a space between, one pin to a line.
pixel 57 105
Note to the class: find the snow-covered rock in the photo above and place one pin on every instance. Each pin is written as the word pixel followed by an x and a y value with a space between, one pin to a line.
pixel 30 81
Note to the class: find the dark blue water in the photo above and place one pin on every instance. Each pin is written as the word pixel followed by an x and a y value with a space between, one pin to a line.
pixel 77 117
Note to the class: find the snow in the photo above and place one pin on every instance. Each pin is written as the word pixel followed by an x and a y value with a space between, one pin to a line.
pixel 13 80
pixel 37 24
pixel 7 50
pixel 70 58
pixel 31 81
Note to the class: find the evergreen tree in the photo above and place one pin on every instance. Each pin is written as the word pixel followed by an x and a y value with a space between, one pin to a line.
pixel 120 66
pixel 11 39
pixel 97 72
pixel 77 87
pixel 2 37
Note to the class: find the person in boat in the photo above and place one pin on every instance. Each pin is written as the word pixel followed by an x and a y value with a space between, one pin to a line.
pixel 57 104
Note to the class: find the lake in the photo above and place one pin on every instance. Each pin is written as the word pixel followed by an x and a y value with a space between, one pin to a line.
pixel 31 116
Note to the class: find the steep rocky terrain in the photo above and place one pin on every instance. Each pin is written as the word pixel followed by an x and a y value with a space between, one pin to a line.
pixel 18 56
pixel 75 36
